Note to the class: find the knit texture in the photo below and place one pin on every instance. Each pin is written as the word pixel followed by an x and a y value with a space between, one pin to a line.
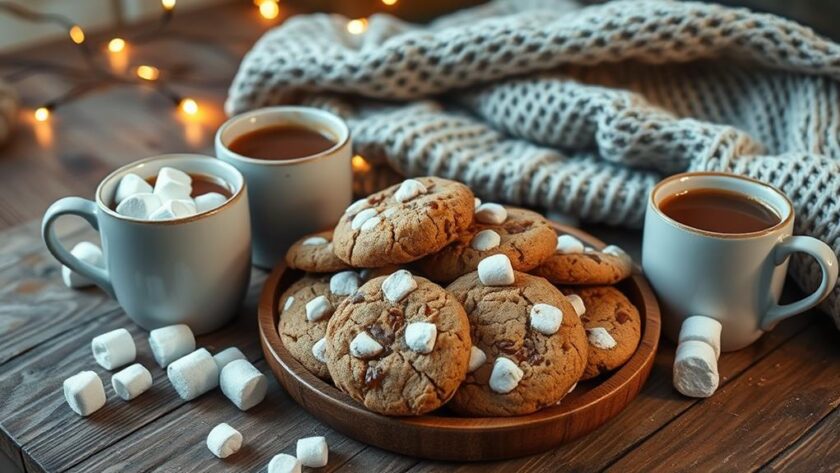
pixel 576 109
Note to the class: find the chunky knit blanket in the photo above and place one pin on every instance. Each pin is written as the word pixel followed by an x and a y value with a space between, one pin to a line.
pixel 579 110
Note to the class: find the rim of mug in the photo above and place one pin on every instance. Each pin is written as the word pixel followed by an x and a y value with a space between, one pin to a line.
pixel 344 132
pixel 237 194
pixel 783 222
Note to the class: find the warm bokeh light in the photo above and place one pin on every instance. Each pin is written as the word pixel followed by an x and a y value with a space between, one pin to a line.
pixel 188 106
pixel 76 34
pixel 42 114
pixel 116 45
pixel 148 72
pixel 357 26
pixel 269 9
pixel 167 4
pixel 360 164
pixel 389 2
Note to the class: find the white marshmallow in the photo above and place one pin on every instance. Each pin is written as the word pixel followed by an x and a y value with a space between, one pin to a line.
pixel 312 452
pixel 546 318
pixel 505 376
pixel 131 382
pixel 243 384
pixel 113 349
pixel 226 356
pixel 599 337
pixel 364 346
pixel 695 369
pixel 224 440
pixel 420 336
pixel 577 303
pixel 397 285
pixel 172 209
pixel 170 343
pixel 370 224
pixel 194 374
pixel 621 254
pixel 318 308
pixel 284 463
pixel 315 241
pixel 362 217
pixel 208 201
pixel 390 212
pixel 477 358
pixel 490 213
pixel 171 186
pixel 357 207
pixel 170 173
pixel 345 283
pixel 496 270
pixel 89 253
pixel 84 393
pixel 139 206
pixel 485 240
pixel 703 329
pixel 289 301
pixel 409 189
pixel 319 350
pixel 476 202
pixel 129 185
pixel 568 245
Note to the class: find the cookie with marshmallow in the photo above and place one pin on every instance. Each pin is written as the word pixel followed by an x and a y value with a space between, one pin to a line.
pixel 575 263
pixel 314 254
pixel 392 328
pixel 529 345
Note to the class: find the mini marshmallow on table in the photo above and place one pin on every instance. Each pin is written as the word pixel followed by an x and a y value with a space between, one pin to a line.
pixel 84 393
pixel 226 356
pixel 113 349
pixel 313 452
pixel 194 374
pixel 224 440
pixel 89 253
pixel 496 270
pixel 698 350
pixel 170 343
pixel 284 463
pixel 243 384
pixel 131 382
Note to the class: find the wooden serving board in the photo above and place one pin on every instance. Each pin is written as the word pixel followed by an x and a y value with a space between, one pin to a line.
pixel 442 436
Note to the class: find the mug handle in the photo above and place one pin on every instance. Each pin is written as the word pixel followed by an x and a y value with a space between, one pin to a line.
pixel 87 210
pixel 828 263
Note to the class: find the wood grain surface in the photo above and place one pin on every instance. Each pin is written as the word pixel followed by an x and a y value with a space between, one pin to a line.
pixel 777 409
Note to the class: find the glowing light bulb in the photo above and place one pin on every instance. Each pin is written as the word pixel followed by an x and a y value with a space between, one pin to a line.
pixel 116 45
pixel 269 9
pixel 188 106
pixel 168 5
pixel 389 2
pixel 148 72
pixel 357 26
pixel 42 114
pixel 76 34
pixel 360 164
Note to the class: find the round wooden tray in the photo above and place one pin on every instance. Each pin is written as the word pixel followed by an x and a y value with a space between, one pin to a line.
pixel 442 436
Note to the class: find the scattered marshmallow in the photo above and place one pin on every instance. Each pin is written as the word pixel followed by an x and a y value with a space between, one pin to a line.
pixel 319 350
pixel 618 252
pixel 113 349
pixel 131 382
pixel 695 369
pixel 703 329
pixel 139 206
pixel 546 318
pixel 491 213
pixel 362 217
pixel 485 240
pixel 172 209
pixel 397 285
pixel 345 283
pixel 171 185
pixel 420 336
pixel 84 393
pixel 505 376
pixel 409 189
pixel 224 440
pixel 364 346
pixel 599 337
pixel 289 301
pixel 209 201
pixel 89 253
pixel 243 384
pixel 226 356
pixel 315 241
pixel 496 270
pixel 194 374
pixel 357 207
pixel 476 202
pixel 577 303
pixel 129 185
pixel 370 224
pixel 318 308
pixel 170 343
pixel 284 463
pixel 568 245
pixel 477 358
pixel 312 452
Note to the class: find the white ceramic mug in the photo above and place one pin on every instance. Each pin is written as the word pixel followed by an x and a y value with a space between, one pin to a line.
pixel 734 278
pixel 291 197
pixel 192 270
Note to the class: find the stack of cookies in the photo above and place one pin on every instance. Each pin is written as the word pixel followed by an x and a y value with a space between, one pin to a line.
pixel 424 296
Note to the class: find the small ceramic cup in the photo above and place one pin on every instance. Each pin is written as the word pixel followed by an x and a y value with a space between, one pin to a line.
pixel 734 278
pixel 292 197
pixel 192 270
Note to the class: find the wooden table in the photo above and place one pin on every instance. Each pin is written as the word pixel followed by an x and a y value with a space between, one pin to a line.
pixel 777 408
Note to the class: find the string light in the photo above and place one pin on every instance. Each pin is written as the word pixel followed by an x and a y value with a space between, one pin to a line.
pixel 357 26
pixel 168 5
pixel 149 73
pixel 269 9
pixel 389 2
pixel 188 106
pixel 42 114
pixel 76 34
pixel 360 164
pixel 116 45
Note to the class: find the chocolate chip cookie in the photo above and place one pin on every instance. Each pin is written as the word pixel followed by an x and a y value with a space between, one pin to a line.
pixel 314 253
pixel 573 263
pixel 529 346
pixel 403 222
pixel 613 327
pixel 399 345
pixel 524 236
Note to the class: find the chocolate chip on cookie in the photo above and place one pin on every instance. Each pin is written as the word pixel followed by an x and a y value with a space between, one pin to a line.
pixel 524 236
pixel 403 222
pixel 400 345
pixel 314 254
pixel 573 263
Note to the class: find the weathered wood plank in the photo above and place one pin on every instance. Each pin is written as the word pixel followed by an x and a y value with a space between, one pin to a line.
pixel 817 451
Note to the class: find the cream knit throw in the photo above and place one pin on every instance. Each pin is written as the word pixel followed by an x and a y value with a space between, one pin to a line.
pixel 576 109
